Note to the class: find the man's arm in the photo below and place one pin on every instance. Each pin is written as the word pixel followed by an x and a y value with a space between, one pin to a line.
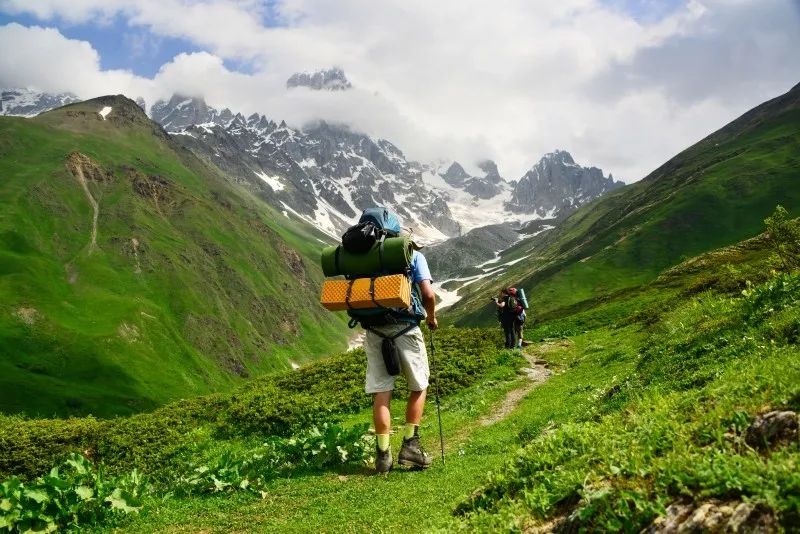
pixel 429 302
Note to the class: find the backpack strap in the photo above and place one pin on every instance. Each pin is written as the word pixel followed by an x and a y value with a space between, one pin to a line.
pixel 349 294
pixel 372 292
pixel 380 253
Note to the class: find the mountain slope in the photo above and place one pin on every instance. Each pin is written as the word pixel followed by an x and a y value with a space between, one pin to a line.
pixel 323 174
pixel 712 194
pixel 133 274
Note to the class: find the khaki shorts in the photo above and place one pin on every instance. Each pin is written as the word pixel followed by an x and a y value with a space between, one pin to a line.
pixel 413 362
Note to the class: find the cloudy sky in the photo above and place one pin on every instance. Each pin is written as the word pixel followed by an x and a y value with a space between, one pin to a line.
pixel 622 84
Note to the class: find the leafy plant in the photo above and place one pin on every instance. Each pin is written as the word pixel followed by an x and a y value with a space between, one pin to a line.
pixel 73 494
pixel 784 234
pixel 775 295
pixel 320 447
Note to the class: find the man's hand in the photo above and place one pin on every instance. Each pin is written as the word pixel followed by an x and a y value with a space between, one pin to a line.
pixel 433 324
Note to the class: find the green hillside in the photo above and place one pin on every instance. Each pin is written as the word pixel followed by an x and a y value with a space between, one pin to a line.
pixel 651 403
pixel 715 193
pixel 177 284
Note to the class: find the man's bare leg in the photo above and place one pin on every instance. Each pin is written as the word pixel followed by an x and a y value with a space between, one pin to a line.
pixel 415 407
pixel 383 424
pixel 381 415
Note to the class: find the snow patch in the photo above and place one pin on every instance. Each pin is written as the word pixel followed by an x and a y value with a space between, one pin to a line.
pixel 273 181
pixel 448 297
pixel 308 162
pixel 356 341
pixel 104 112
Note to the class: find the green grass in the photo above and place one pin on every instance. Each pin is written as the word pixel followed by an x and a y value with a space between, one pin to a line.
pixel 655 380
pixel 639 413
pixel 211 299
pixel 651 394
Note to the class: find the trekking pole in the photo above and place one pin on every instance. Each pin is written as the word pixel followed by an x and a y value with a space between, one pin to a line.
pixel 436 396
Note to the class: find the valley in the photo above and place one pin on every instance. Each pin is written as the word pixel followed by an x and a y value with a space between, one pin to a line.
pixel 163 345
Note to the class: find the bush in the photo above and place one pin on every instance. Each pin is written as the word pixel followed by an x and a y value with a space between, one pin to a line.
pixel 784 235
pixel 276 405
pixel 766 299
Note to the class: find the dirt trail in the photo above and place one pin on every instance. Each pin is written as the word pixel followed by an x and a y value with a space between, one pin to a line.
pixel 537 373
pixel 75 166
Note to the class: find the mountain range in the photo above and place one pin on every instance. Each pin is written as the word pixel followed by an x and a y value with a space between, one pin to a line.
pixel 29 103
pixel 325 174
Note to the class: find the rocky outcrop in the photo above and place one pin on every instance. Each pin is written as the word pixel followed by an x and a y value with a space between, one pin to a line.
pixel 557 185
pixel 182 111
pixel 772 428
pixel 714 517
pixel 460 255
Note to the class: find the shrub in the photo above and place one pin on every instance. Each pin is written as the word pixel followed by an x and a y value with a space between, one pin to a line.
pixel 275 405
pixel 784 235
pixel 766 299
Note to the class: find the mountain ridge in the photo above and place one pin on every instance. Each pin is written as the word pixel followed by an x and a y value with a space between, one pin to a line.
pixel 308 173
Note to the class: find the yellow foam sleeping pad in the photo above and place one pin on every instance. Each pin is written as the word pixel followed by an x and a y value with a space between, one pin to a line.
pixel 390 291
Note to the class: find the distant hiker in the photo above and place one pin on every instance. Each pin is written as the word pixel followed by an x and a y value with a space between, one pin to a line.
pixel 372 252
pixel 506 317
pixel 511 305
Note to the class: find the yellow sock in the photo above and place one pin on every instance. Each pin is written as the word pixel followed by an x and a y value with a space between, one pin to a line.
pixel 411 429
pixel 383 442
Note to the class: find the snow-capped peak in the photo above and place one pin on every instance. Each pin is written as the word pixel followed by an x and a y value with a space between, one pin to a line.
pixel 29 103
pixel 332 79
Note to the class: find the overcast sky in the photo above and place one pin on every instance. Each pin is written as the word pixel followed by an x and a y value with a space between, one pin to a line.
pixel 622 84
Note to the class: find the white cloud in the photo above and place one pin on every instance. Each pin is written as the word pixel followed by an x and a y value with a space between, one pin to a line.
pixel 452 78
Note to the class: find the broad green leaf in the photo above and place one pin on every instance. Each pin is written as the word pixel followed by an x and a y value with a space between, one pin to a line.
pixel 37 495
pixel 84 492
pixel 5 505
pixel 37 527
pixel 7 521
pixel 120 500
pixel 56 482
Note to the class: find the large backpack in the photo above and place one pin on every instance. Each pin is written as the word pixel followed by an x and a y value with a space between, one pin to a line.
pixel 513 303
pixel 375 225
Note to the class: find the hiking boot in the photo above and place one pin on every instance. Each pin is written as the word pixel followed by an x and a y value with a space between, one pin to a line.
pixel 383 460
pixel 412 454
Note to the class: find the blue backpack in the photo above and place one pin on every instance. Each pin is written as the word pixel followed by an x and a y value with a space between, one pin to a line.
pixel 377 224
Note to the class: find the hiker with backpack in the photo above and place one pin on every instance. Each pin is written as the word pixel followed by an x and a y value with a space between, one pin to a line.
pixel 373 257
pixel 511 305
